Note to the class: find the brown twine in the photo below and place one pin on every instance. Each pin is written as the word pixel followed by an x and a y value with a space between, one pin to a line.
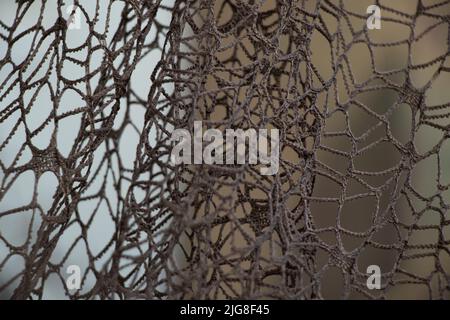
pixel 212 231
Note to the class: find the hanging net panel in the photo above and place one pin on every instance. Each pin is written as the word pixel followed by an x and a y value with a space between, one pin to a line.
pixel 91 92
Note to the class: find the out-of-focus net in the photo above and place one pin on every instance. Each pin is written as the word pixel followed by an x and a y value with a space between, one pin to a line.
pixel 364 133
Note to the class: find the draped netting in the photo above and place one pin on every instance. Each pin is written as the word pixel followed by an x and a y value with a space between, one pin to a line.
pixel 364 149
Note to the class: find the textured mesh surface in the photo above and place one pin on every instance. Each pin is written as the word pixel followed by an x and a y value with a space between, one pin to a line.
pixel 364 128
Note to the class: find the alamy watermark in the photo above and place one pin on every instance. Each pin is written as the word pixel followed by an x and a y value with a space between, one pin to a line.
pixel 374 280
pixel 230 149
pixel 73 282
pixel 374 20
pixel 73 17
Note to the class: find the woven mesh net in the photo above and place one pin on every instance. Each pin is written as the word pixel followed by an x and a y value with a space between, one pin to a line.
pixel 87 115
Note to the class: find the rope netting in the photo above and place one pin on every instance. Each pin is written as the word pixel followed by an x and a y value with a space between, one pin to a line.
pixel 363 175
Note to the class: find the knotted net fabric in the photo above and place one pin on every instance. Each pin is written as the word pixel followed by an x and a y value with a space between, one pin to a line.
pixel 363 174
